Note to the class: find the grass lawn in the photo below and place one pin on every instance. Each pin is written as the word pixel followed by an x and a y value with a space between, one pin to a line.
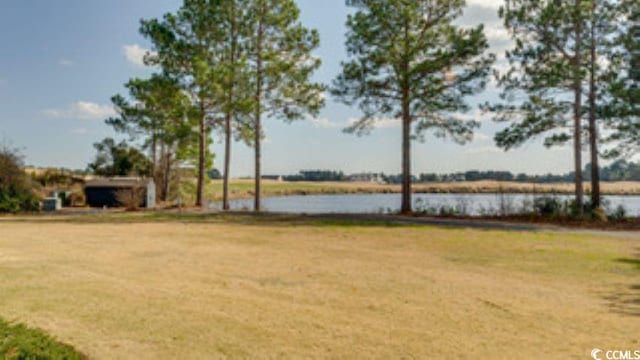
pixel 19 342
pixel 245 288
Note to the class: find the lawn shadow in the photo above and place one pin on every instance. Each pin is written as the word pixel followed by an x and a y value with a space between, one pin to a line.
pixel 271 219
pixel 626 301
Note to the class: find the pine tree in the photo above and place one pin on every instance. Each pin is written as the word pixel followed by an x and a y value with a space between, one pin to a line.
pixel 280 54
pixel 409 61
pixel 603 22
pixel 186 46
pixel 159 116
pixel 546 77
pixel 237 101
pixel 622 112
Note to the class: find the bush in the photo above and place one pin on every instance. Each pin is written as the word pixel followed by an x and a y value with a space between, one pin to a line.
pixel 16 189
pixel 77 198
pixel 131 199
pixel 549 206
pixel 618 214
pixel 20 342
pixel 598 214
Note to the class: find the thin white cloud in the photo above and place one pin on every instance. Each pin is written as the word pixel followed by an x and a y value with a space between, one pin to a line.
pixel 66 62
pixel 135 54
pixel 482 150
pixel 378 123
pixel 79 131
pixel 561 148
pixel 480 137
pixel 82 110
pixel 499 38
pixel 486 3
pixel 474 115
pixel 324 123
pixel 486 13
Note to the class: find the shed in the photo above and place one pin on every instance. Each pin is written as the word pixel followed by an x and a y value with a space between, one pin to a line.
pixel 104 192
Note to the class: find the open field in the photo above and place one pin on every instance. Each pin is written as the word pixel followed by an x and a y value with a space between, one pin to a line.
pixel 240 189
pixel 137 286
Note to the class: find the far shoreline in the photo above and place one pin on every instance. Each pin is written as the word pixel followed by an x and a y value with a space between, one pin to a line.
pixel 243 188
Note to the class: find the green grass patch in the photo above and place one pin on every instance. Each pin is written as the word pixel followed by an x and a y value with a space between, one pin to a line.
pixel 20 342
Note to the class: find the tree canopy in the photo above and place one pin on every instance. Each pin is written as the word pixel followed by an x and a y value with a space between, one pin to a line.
pixel 119 159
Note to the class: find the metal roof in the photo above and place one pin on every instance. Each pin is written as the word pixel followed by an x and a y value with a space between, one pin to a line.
pixel 123 182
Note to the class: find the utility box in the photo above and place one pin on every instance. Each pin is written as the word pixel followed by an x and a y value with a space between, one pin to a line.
pixel 51 204
pixel 64 196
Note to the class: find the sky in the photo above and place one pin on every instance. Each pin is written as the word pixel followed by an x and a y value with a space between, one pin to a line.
pixel 61 61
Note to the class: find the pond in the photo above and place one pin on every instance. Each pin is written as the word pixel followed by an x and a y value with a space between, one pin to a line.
pixel 471 204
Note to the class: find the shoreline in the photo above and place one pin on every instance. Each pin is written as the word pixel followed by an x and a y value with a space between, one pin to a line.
pixel 243 189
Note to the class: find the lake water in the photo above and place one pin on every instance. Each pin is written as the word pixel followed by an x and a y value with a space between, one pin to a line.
pixel 473 204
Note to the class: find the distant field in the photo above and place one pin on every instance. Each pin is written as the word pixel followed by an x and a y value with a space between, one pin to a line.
pixel 244 188
pixel 140 287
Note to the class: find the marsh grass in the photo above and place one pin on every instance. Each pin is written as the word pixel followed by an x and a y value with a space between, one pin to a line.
pixel 243 189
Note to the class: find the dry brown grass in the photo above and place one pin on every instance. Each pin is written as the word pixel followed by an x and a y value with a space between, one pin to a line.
pixel 244 188
pixel 174 290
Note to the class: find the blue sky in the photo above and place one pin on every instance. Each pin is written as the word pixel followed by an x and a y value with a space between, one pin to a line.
pixel 61 61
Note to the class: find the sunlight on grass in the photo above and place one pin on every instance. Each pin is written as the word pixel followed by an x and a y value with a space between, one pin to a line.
pixel 243 286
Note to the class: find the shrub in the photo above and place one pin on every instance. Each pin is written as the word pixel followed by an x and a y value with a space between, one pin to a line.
pixel 619 213
pixel 549 206
pixel 16 189
pixel 77 198
pixel 598 214
pixel 131 199
pixel 20 342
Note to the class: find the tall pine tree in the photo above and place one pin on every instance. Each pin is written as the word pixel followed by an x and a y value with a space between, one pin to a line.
pixel 603 22
pixel 546 77
pixel 280 54
pixel 622 113
pixel 233 18
pixel 187 46
pixel 160 115
pixel 409 61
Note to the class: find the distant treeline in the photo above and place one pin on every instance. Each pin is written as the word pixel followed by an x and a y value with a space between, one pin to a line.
pixel 620 170
pixel 317 175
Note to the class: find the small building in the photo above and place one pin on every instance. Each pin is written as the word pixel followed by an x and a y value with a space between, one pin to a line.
pixel 271 177
pixel 367 177
pixel 109 192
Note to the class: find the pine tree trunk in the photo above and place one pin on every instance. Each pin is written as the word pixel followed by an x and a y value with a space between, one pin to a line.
pixel 593 129
pixel 406 130
pixel 167 176
pixel 160 174
pixel 406 161
pixel 227 162
pixel 201 159
pixel 154 155
pixel 577 114
pixel 229 114
pixel 258 164
pixel 258 116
